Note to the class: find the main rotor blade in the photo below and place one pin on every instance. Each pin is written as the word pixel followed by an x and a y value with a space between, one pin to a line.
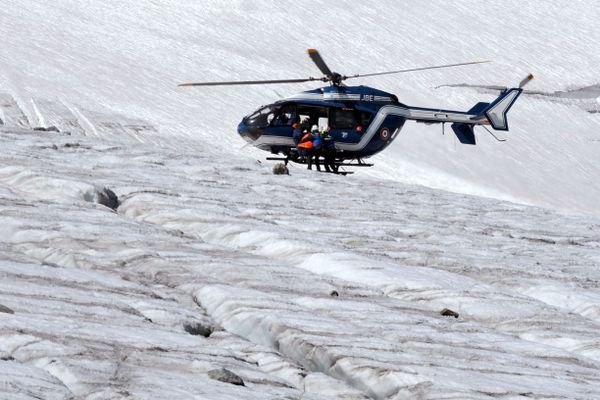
pixel 416 69
pixel 466 85
pixel 318 60
pixel 272 81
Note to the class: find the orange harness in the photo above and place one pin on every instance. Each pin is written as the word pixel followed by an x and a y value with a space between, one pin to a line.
pixel 306 142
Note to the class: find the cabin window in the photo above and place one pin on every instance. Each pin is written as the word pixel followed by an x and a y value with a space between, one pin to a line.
pixel 364 119
pixel 342 119
pixel 261 118
pixel 286 116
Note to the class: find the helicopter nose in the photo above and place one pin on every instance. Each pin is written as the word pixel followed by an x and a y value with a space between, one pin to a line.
pixel 243 131
pixel 248 134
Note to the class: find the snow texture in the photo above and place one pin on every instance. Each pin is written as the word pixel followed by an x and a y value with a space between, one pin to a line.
pixel 305 286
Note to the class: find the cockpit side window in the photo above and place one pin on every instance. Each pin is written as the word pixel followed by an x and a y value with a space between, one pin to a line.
pixel 261 118
pixel 286 116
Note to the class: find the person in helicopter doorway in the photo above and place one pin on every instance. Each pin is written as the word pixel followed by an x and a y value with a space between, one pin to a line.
pixel 297 134
pixel 329 152
pixel 297 130
pixel 317 140
pixel 300 128
pixel 305 148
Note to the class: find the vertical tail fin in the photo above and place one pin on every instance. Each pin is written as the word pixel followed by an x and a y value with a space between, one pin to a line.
pixel 496 112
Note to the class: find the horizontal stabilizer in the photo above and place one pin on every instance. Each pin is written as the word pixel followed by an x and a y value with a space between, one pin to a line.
pixel 464 133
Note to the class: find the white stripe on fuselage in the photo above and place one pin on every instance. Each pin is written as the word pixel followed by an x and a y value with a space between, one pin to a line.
pixel 385 111
pixel 273 140
pixel 408 113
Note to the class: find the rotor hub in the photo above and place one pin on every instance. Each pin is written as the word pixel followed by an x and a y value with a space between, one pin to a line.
pixel 336 79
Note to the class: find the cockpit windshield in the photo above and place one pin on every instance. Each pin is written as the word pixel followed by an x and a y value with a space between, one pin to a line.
pixel 261 118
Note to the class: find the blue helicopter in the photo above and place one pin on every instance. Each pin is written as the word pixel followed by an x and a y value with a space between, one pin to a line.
pixel 362 120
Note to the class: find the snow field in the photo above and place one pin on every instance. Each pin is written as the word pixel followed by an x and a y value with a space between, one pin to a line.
pixel 247 252
pixel 127 58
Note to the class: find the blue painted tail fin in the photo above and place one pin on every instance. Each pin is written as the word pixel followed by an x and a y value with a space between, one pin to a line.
pixel 464 132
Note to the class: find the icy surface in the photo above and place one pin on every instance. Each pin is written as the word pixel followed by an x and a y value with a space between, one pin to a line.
pixel 128 57
pixel 206 236
pixel 101 298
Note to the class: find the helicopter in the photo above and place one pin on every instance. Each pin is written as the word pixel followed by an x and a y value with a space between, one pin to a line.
pixel 362 120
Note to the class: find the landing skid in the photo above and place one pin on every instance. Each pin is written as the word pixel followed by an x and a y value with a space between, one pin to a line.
pixel 285 160
pixel 358 163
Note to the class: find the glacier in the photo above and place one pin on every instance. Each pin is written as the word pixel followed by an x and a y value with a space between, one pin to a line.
pixel 308 286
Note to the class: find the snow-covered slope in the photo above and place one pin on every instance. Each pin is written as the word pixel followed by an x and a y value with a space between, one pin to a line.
pixel 307 286
pixel 128 56
pixel 316 285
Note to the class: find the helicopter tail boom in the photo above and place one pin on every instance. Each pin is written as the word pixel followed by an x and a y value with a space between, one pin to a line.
pixel 494 114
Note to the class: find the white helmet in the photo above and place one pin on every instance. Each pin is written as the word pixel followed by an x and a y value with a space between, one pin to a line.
pixel 314 128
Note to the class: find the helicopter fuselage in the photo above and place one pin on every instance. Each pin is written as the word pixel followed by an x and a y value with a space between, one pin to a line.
pixel 362 120
pixel 355 116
